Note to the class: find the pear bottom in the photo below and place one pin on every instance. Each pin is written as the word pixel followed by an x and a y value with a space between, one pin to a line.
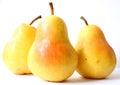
pixel 96 68
pixel 15 60
pixel 55 63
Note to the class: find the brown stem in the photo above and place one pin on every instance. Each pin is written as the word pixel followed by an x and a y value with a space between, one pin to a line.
pixel 35 20
pixel 84 20
pixel 51 8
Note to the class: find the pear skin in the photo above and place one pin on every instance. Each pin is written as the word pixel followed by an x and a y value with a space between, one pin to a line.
pixel 96 58
pixel 16 50
pixel 52 57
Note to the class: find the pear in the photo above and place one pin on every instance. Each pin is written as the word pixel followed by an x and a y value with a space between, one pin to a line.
pixel 16 49
pixel 96 58
pixel 51 56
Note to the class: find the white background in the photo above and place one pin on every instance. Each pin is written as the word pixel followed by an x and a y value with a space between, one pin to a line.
pixel 104 13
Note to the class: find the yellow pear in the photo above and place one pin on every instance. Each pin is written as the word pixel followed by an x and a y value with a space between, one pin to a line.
pixel 52 57
pixel 97 58
pixel 16 49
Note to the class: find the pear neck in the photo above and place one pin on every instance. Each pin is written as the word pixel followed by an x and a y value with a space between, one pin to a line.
pixel 52 28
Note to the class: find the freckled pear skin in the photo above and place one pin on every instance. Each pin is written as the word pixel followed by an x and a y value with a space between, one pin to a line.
pixel 96 58
pixel 52 56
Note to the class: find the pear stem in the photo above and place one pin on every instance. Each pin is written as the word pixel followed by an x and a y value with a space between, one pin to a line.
pixel 84 20
pixel 51 8
pixel 38 17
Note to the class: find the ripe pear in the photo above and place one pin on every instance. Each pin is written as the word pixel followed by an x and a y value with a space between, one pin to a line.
pixel 96 58
pixel 17 48
pixel 52 57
